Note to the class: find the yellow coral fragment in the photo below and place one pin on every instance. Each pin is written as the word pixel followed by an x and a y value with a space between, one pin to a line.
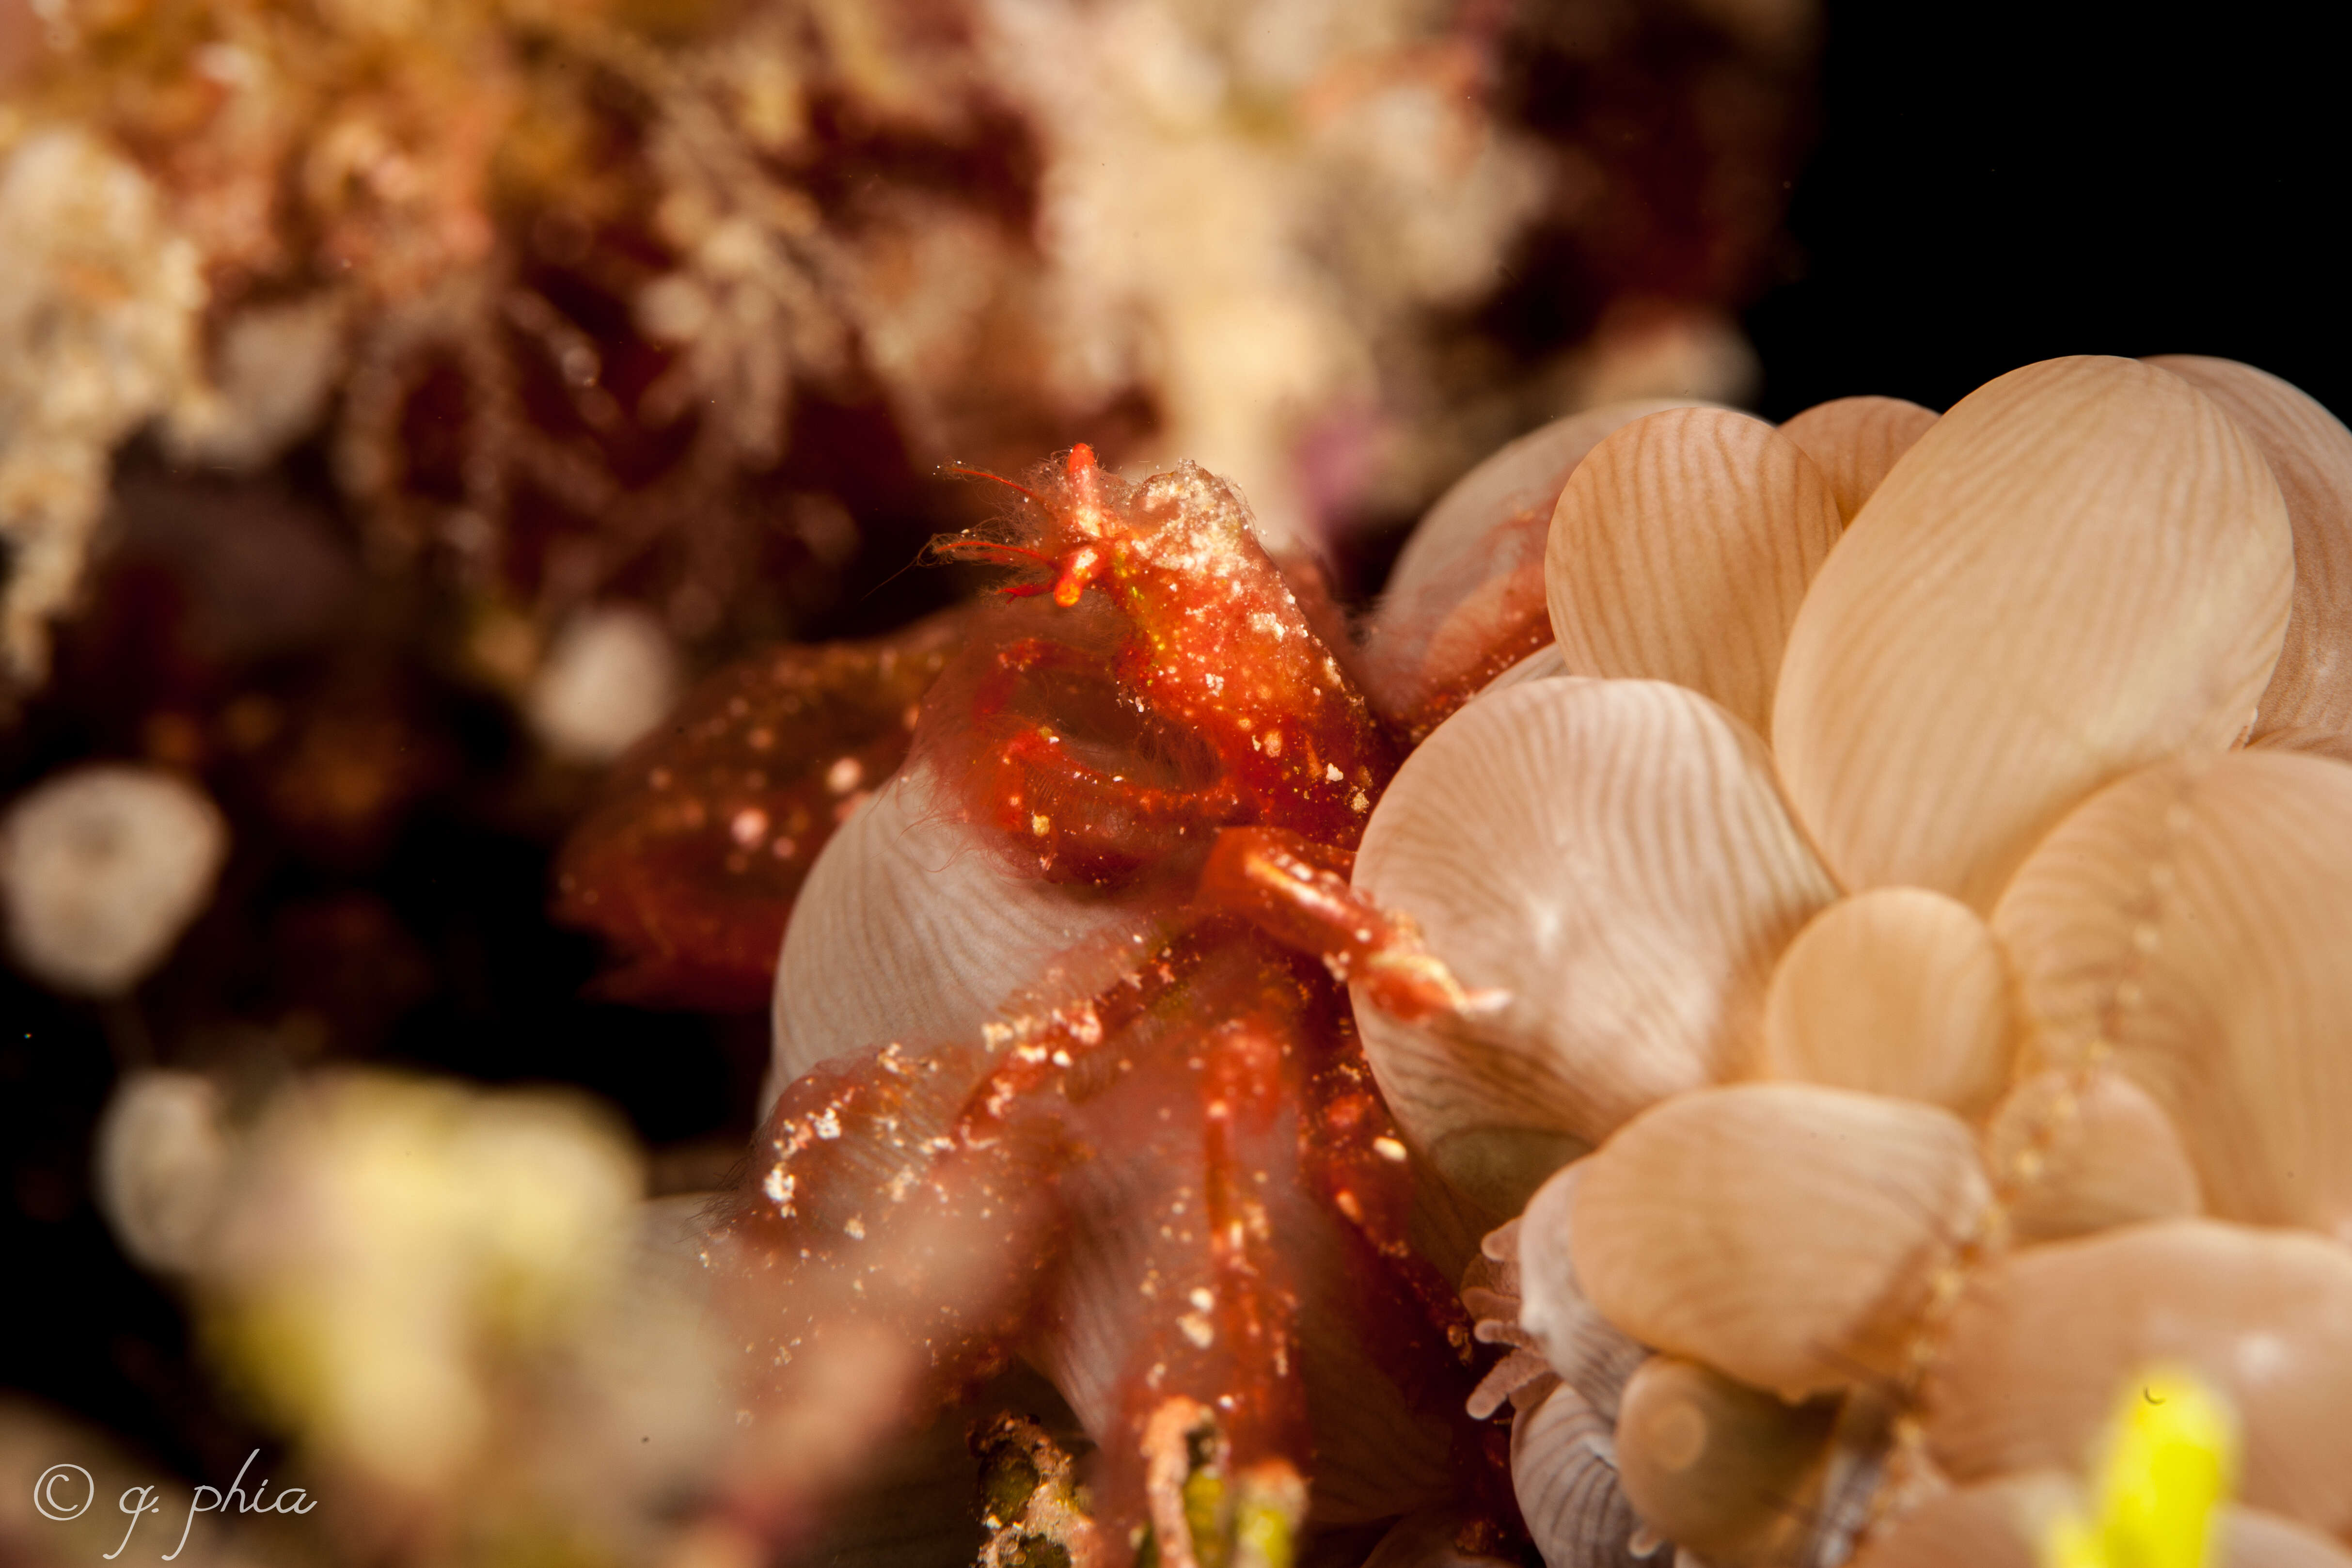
pixel 2170 1461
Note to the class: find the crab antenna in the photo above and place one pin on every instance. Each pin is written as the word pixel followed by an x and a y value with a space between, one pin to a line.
pixel 999 479
pixel 990 550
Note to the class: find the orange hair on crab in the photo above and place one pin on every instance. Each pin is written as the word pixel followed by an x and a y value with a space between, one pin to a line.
pixel 1191 694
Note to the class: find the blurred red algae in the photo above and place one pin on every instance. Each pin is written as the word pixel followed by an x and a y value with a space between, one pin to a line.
pixel 688 864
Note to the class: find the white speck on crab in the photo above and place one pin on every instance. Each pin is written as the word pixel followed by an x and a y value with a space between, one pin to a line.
pixel 1197 1329
pixel 901 1185
pixel 1061 1058
pixel 853 1228
pixel 779 1188
pixel 1273 743
pixel 1389 1149
pixel 1040 824
pixel 750 825
pixel 844 775
pixel 826 1125
pixel 1359 800
pixel 1200 1298
pixel 1086 1027
pixel 1331 773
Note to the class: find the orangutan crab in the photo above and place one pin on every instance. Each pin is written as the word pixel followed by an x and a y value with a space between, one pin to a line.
pixel 1134 796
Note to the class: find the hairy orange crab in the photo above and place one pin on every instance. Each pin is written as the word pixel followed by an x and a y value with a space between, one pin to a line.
pixel 1067 1068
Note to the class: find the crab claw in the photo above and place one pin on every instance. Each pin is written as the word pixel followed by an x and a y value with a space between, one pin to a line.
pixel 1297 891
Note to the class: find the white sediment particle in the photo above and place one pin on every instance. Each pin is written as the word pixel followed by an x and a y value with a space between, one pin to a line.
pixel 101 868
pixel 611 676
pixel 161 1162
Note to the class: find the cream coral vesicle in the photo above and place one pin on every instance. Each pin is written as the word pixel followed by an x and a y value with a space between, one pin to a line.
pixel 1975 1106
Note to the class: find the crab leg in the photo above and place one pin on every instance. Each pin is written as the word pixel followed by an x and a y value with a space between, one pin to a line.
pixel 873 1265
pixel 1297 891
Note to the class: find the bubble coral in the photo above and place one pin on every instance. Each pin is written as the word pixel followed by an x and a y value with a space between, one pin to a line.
pixel 1874 1105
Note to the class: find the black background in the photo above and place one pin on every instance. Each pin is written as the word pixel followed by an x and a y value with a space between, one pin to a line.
pixel 1996 184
